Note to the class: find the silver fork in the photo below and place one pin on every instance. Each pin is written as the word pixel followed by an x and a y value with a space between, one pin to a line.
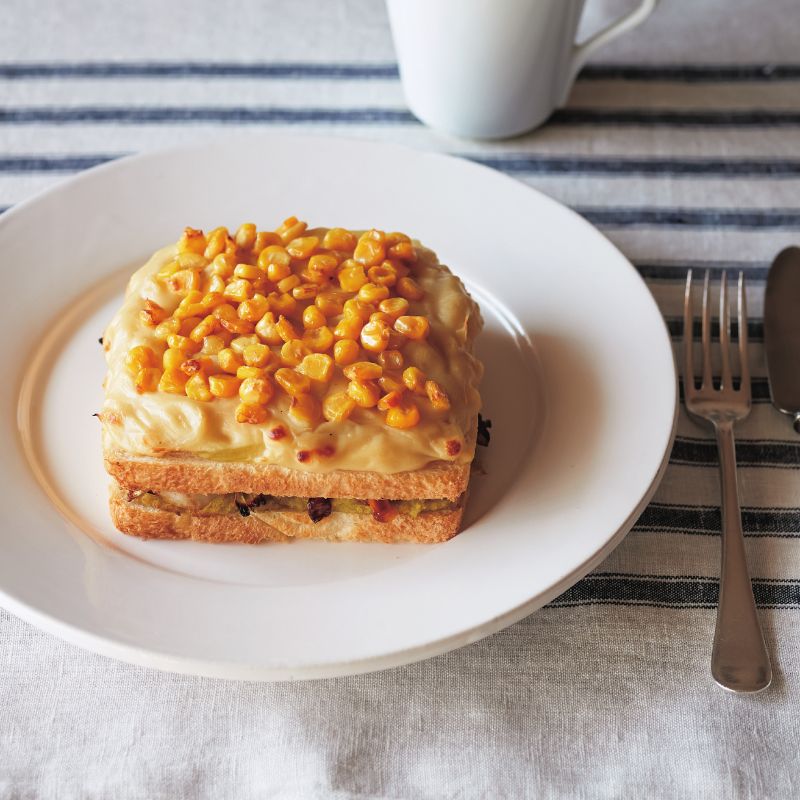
pixel 739 658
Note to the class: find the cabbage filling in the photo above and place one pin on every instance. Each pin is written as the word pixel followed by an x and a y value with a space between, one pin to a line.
pixel 245 504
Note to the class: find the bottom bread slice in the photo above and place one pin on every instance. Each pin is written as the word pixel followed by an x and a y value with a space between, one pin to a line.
pixel 281 526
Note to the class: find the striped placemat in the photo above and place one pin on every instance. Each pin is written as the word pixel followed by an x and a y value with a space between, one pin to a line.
pixel 607 689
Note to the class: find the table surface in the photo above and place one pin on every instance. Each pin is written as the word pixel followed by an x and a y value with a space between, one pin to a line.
pixel 682 143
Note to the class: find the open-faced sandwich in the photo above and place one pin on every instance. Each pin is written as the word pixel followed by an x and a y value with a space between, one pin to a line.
pixel 294 383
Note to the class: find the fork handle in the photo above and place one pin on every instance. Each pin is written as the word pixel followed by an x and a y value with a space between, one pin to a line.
pixel 739 658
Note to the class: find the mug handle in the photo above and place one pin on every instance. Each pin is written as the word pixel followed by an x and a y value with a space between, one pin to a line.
pixel 581 52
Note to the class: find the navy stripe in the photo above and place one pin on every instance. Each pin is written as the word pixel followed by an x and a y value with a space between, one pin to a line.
pixel 675 118
pixel 534 165
pixel 671 592
pixel 35 163
pixel 706 520
pixel 755 328
pixel 199 69
pixel 370 115
pixel 759 390
pixel 130 115
pixel 693 217
pixel 754 271
pixel 693 73
pixel 689 451
pixel 685 73
pixel 673 167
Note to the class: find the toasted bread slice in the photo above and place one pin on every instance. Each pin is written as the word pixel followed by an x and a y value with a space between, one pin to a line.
pixel 281 526
pixel 191 475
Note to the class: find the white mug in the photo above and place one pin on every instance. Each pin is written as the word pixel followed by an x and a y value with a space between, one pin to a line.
pixel 489 69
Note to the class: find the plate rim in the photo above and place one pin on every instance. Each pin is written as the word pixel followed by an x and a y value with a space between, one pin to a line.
pixel 234 670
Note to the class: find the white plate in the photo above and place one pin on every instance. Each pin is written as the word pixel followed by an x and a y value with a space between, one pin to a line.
pixel 580 386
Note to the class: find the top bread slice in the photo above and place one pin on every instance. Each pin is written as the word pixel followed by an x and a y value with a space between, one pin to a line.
pixel 191 475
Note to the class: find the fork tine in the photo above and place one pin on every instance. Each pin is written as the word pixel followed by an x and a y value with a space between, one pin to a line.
pixel 688 339
pixel 706 333
pixel 744 365
pixel 725 333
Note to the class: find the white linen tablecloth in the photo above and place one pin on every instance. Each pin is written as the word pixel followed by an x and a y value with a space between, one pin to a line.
pixel 683 144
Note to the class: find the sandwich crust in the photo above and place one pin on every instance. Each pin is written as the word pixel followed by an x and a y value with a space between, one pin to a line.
pixel 190 475
pixel 281 526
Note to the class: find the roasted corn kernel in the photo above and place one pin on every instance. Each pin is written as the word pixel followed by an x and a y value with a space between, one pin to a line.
pixel 437 395
pixel 152 313
pixel 229 319
pixel 375 336
pixel 229 360
pixel 346 352
pixel 212 345
pixel 319 340
pixel 330 303
pixel 317 366
pixel 253 309
pixel 192 241
pixel 245 236
pixel 365 393
pixel 238 290
pixel 215 284
pixel 403 416
pixel 293 352
pixel 323 264
pixel 252 415
pixel 363 371
pixel 293 383
pixel 391 400
pixel 256 355
pixel 206 327
pixel 405 251
pixel 410 289
pixel 147 379
pixel 256 391
pixel 339 239
pixel 223 265
pixel 391 359
pixel 286 329
pixel 183 343
pixel 352 278
pixel 224 385
pixel 239 344
pixel 185 280
pixel 267 329
pixel 372 293
pixel 370 249
pixel 348 328
pixel 173 381
pixel 140 357
pixel 305 291
pixel 338 406
pixel 166 328
pixel 248 271
pixel 357 309
pixel 290 229
pixel 250 372
pixel 215 243
pixel 383 275
pixel 265 239
pixel 282 303
pixel 197 388
pixel 173 358
pixel 414 379
pixel 391 382
pixel 313 318
pixel 303 247
pixel 413 327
